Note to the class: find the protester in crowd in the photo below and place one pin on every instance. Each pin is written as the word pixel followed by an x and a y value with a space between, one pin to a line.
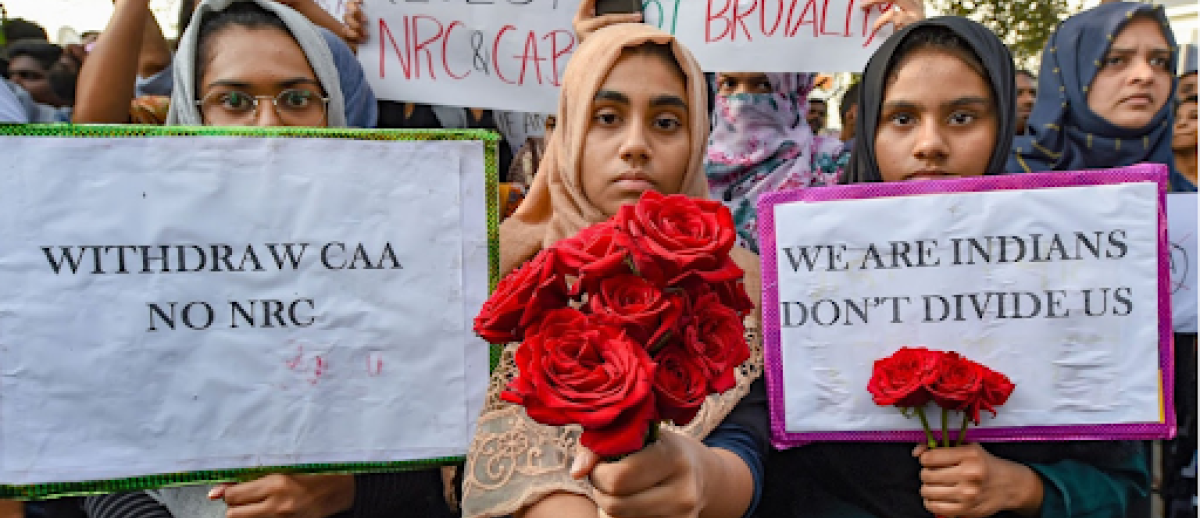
pixel 523 169
pixel 1026 96
pixel 227 72
pixel 1187 85
pixel 105 84
pixel 962 129
pixel 848 111
pixel 761 143
pixel 632 97
pixel 30 64
pixel 11 110
pixel 20 29
pixel 1183 144
pixel 818 113
pixel 1104 93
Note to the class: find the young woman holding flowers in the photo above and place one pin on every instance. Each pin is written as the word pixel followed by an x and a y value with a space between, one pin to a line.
pixel 963 128
pixel 631 119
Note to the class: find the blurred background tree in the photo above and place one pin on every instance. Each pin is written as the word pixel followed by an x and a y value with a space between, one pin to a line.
pixel 1022 24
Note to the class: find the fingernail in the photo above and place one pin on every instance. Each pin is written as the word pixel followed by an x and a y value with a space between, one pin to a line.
pixel 212 493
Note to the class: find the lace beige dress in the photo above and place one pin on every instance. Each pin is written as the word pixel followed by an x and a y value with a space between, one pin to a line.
pixel 514 461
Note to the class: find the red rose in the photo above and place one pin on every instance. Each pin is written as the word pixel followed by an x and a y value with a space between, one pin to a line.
pixel 521 297
pixel 732 293
pixel 901 379
pixel 595 249
pixel 716 336
pixel 958 383
pixel 575 370
pixel 680 384
pixel 644 310
pixel 682 233
pixel 995 392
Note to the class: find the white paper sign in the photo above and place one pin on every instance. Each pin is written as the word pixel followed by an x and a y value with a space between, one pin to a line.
pixel 1181 217
pixel 511 54
pixel 1054 287
pixel 184 303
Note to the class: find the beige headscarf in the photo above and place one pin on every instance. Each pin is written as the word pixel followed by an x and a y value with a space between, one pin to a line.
pixel 513 461
pixel 556 206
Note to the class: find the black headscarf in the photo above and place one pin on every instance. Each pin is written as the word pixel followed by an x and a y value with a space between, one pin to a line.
pixel 1065 134
pixel 997 61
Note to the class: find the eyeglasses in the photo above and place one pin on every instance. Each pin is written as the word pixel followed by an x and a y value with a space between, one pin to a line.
pixel 295 107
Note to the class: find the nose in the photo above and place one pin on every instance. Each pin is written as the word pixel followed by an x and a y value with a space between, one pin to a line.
pixel 1143 71
pixel 267 114
pixel 931 143
pixel 635 147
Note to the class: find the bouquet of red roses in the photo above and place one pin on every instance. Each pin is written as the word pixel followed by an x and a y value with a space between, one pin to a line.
pixel 632 322
pixel 913 376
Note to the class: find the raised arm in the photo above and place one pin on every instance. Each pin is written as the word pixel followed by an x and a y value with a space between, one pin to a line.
pixel 155 53
pixel 320 17
pixel 108 78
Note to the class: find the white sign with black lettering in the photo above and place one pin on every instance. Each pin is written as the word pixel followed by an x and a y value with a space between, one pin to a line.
pixel 1052 287
pixel 178 304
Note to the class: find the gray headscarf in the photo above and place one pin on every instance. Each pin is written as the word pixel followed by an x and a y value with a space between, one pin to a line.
pixel 183 107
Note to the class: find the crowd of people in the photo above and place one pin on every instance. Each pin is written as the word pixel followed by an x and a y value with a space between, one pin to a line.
pixel 941 98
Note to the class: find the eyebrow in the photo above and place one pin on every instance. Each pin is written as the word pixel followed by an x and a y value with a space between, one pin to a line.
pixel 656 101
pixel 970 100
pixel 1127 50
pixel 668 100
pixel 287 83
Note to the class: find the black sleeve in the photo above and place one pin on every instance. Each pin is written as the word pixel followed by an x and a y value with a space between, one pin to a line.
pixel 137 504
pixel 751 413
pixel 399 495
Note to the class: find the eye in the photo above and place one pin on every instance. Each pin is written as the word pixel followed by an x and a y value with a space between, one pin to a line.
pixel 961 118
pixel 667 123
pixel 763 86
pixel 296 99
pixel 902 119
pixel 1160 62
pixel 1113 61
pixel 606 118
pixel 236 101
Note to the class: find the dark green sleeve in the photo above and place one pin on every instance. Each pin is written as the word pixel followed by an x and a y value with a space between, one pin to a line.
pixel 1075 489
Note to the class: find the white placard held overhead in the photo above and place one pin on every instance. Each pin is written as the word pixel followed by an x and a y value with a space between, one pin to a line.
pixel 511 55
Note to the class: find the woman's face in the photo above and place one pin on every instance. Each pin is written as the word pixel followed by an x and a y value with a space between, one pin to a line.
pixel 1134 81
pixel 933 133
pixel 638 137
pixel 263 64
pixel 729 83
pixel 1184 137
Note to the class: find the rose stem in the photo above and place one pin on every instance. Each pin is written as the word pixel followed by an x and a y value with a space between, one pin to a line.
pixel 945 428
pixel 652 433
pixel 925 425
pixel 962 434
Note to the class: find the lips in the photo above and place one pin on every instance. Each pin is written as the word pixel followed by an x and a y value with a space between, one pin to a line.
pixel 634 181
pixel 1138 100
pixel 929 174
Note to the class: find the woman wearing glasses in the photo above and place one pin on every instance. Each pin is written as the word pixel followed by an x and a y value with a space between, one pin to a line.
pixel 246 65
pixel 255 63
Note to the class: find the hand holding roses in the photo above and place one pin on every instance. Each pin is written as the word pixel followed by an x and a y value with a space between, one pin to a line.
pixel 969 482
